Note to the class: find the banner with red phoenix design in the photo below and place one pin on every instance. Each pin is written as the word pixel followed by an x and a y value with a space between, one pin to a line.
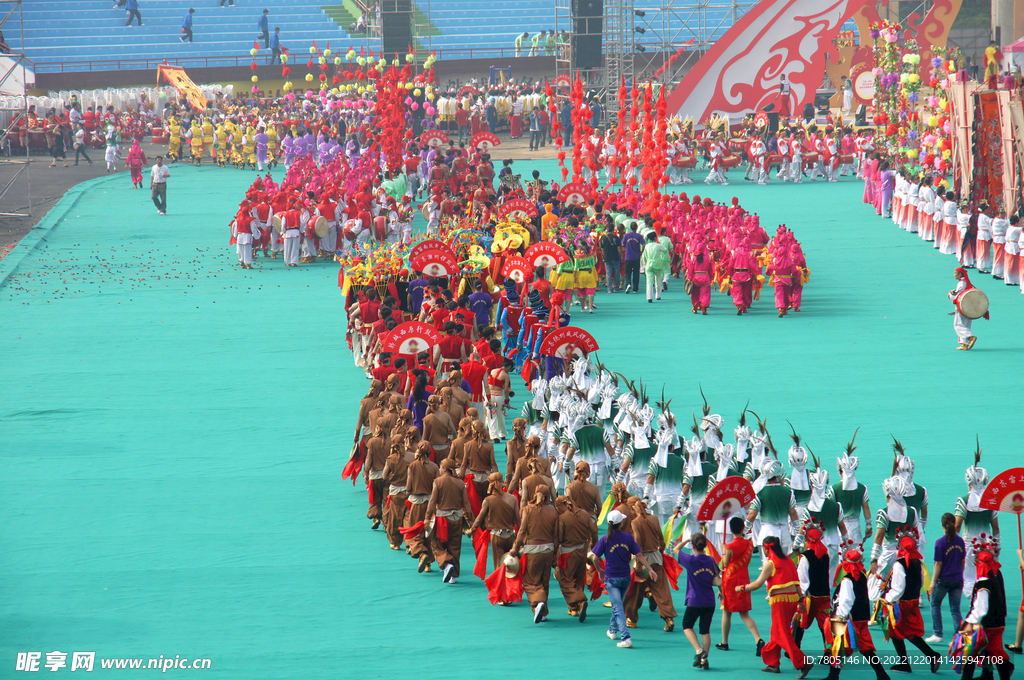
pixel 740 73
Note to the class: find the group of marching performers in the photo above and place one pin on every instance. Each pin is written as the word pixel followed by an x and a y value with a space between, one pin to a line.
pixel 589 448
pixel 980 235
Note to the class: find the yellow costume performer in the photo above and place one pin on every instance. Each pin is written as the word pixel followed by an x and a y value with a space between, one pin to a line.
pixel 174 140
pixel 208 139
pixel 197 143
pixel 222 145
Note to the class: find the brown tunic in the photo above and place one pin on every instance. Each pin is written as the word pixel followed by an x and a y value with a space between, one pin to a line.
pixel 577 527
pixel 584 496
pixel 396 471
pixel 376 453
pixel 365 406
pixel 627 525
pixel 449 493
pixel 456 411
pixel 498 512
pixel 479 456
pixel 514 450
pixel 539 524
pixel 522 472
pixel 421 476
pixel 529 488
pixel 457 451
pixel 438 428
pixel 647 533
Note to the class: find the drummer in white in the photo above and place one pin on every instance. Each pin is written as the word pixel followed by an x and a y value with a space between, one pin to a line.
pixel 962 324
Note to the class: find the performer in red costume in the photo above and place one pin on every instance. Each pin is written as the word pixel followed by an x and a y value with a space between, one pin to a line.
pixel 784 596
pixel 700 273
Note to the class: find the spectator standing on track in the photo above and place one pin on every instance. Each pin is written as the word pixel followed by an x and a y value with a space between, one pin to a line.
pixel 264 25
pixel 186 25
pixel 80 144
pixel 158 184
pixel 132 7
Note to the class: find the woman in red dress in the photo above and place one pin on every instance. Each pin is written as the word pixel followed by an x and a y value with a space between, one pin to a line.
pixel 735 559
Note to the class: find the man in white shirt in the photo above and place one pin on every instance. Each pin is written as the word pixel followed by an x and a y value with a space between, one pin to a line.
pixel 158 184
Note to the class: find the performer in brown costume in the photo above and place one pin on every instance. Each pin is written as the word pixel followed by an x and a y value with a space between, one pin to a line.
pixel 396 474
pixel 499 514
pixel 647 531
pixel 373 470
pixel 478 458
pixel 521 472
pixel 538 541
pixel 419 485
pixel 584 495
pixel 438 428
pixel 448 511
pixel 577 533
pixel 515 448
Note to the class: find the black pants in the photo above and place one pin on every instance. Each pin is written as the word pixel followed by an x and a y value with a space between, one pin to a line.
pixel 230 2
pixel 633 274
pixel 160 196
pixel 80 151
pixel 276 57
pixel 134 14
pixel 187 34
pixel 266 40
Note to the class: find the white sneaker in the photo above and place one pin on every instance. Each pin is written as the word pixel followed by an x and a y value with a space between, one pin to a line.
pixel 932 639
pixel 611 635
pixel 629 288
pixel 628 642
pixel 449 570
pixel 538 612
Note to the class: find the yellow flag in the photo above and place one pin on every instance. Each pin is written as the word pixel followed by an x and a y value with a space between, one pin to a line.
pixel 605 508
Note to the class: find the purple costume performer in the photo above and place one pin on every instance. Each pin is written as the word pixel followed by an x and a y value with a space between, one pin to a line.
pixel 262 141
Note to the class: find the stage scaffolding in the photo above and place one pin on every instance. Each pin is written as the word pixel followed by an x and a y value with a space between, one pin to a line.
pixel 11 168
pixel 640 37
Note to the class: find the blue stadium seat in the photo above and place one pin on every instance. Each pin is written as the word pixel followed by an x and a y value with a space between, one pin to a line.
pixel 62 31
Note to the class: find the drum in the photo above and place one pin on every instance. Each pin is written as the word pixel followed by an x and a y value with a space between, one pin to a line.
pixel 810 158
pixel 737 144
pixel 380 227
pixel 774 159
pixel 278 224
pixel 684 162
pixel 973 303
pixel 425 211
pixel 351 229
pixel 320 226
pixel 730 161
pixel 846 159
pixel 234 228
